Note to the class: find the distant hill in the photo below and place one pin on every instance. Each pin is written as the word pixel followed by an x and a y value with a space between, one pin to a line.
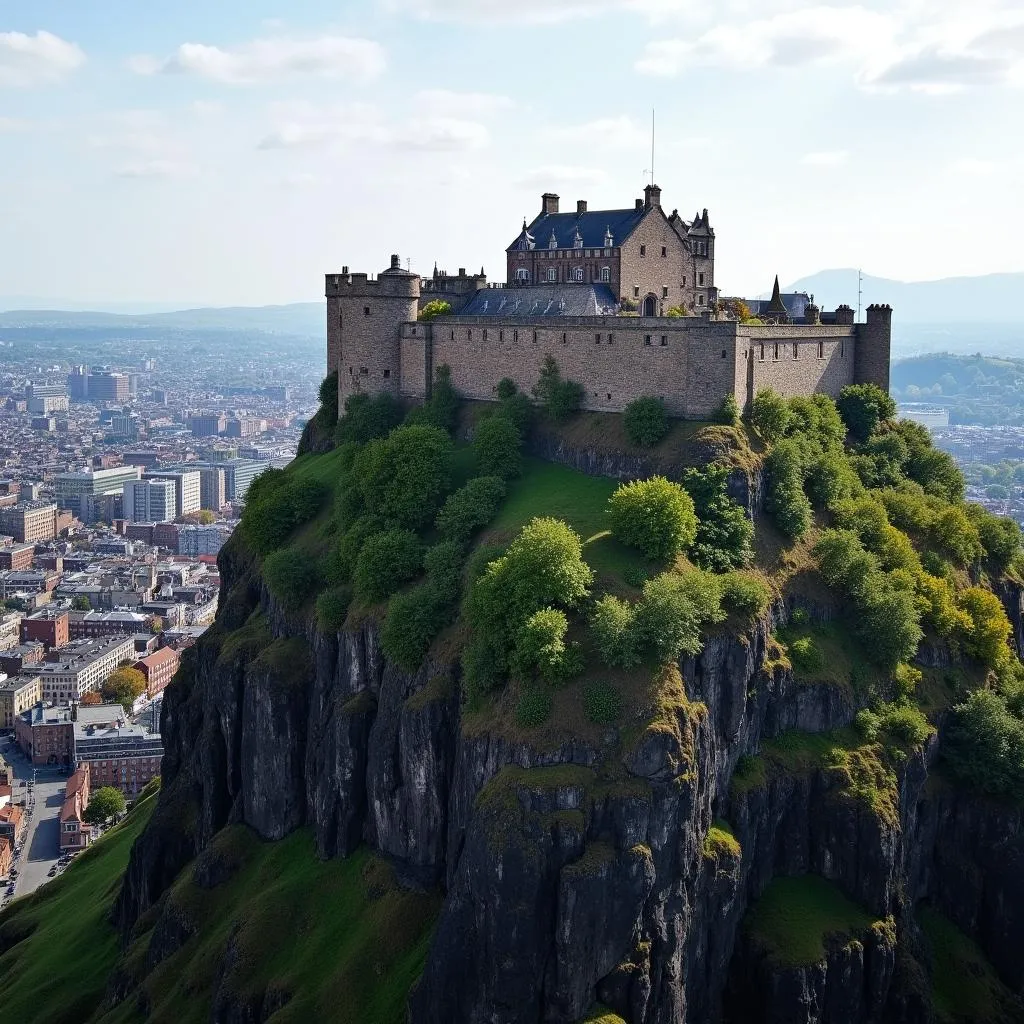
pixel 993 298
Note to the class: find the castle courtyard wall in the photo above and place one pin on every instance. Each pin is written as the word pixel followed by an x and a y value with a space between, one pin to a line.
pixel 798 360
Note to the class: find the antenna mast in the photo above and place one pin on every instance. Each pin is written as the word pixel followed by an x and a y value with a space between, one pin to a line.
pixel 860 292
pixel 652 147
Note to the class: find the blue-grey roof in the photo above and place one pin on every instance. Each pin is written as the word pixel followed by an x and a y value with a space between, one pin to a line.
pixel 591 226
pixel 540 300
pixel 795 302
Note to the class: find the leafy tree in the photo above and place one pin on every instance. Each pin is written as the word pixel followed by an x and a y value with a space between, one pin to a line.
pixel 953 533
pixel 352 543
pixel 646 421
pixel 889 623
pixel 404 476
pixel 292 577
pixel 984 745
pixel 156 625
pixel 328 395
pixel 738 310
pixel 124 686
pixel 442 408
pixel 786 501
pixel 745 594
pixel 725 534
pixel 106 803
pixel 865 516
pixel 832 478
pixel 729 411
pixel 989 635
pixel 612 623
pixel 863 407
pixel 770 415
pixel 540 645
pixel 675 312
pixel 497 445
pixel 386 561
pixel 561 398
pixel 655 516
pixel 368 417
pixel 278 508
pixel 514 406
pixel 433 309
pixel 942 615
pixel 506 389
pixel 91 697
pixel 470 508
pixel 332 608
pixel 1000 537
pixel 673 611
pixel 80 603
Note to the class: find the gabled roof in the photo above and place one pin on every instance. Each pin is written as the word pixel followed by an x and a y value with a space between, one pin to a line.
pixel 592 227
pixel 541 300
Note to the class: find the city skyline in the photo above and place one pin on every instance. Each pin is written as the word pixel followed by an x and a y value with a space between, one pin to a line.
pixel 816 135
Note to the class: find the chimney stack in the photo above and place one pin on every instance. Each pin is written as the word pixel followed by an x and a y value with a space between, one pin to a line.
pixel 396 262
pixel 548 203
pixel 581 207
pixel 652 197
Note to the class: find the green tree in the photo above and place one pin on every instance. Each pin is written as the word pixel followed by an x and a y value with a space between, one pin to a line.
pixel 984 745
pixel 470 508
pixel 156 625
pixel 292 577
pixel 104 804
pixel 725 534
pixel 368 417
pixel 953 533
pixel 655 516
pixel 442 408
pixel 540 647
pixel 645 421
pixel 386 561
pixel 770 416
pixel 404 476
pixel 497 446
pixel 613 625
pixel 80 603
pixel 988 638
pixel 123 686
pixel 729 411
pixel 863 407
pixel 786 501
pixel 561 398
pixel 433 309
pixel 673 611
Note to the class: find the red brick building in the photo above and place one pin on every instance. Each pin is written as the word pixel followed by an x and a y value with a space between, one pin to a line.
pixel 6 857
pixel 18 556
pixel 158 668
pixel 49 628
pixel 13 823
pixel 74 832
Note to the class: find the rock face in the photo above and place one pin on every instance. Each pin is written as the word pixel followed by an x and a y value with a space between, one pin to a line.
pixel 571 875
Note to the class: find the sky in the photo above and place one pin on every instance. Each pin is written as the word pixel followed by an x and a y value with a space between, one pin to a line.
pixel 233 152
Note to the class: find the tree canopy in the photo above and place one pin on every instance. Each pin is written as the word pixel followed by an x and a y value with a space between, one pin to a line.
pixel 104 804
pixel 123 686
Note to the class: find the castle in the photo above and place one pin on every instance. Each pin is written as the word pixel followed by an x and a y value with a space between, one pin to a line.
pixel 624 300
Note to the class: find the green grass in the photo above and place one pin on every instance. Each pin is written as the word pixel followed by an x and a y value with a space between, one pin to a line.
pixel 58 944
pixel 837 659
pixel 545 489
pixel 964 985
pixel 797 919
pixel 341 937
pixel 602 1015
pixel 720 842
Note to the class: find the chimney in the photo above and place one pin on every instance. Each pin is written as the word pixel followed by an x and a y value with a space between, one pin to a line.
pixel 639 204
pixel 548 203
pixel 581 207
pixel 396 262
pixel 652 197
pixel 462 271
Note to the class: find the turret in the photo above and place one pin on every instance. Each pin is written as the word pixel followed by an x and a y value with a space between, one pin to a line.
pixel 364 318
pixel 874 347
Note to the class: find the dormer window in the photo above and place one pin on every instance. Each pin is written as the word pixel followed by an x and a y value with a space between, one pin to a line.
pixel 577 242
pixel 609 240
pixel 552 241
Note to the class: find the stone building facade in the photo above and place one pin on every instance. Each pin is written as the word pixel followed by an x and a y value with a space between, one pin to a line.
pixel 377 345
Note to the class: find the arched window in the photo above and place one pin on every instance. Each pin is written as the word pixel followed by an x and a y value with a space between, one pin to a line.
pixel 577 274
pixel 606 275
pixel 522 274
pixel 552 275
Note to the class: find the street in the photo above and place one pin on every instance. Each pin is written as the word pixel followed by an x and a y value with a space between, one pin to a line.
pixel 39 851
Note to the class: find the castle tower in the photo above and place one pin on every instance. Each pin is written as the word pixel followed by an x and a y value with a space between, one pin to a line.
pixel 364 317
pixel 874 344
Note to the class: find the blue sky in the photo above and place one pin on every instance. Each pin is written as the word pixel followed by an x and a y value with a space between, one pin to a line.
pixel 230 152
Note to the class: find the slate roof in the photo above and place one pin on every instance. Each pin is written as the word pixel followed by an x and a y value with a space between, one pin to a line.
pixel 591 226
pixel 795 302
pixel 541 300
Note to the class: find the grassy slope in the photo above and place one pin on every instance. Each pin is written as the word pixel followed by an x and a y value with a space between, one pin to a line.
pixel 796 918
pixel 355 963
pixel 62 932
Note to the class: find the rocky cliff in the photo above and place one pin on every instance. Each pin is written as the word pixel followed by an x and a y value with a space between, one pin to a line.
pixel 578 870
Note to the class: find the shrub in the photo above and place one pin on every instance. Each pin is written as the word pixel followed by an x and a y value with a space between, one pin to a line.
pixel 805 655
pixel 725 535
pixel 868 724
pixel 292 577
pixel 441 410
pixel 443 565
pixel 368 417
pixel 745 595
pixel 865 516
pixel 414 618
pixel 351 544
pixel 533 707
pixel 1000 537
pixel 506 389
pixel 786 501
pixel 404 476
pixel 905 724
pixel 561 398
pixel 984 745
pixel 278 508
pixel 470 508
pixel 328 395
pixel 518 410
pixel 433 309
pixel 673 611
pixel 332 609
pixel 770 415
pixel 386 561
pixel 989 635
pixel 728 412
pixel 655 516
pixel 540 645
pixel 612 623
pixel 602 703
pixel 863 407
pixel 941 614
pixel 844 563
pixel 497 446
pixel 955 536
pixel 889 623
pixel 646 421
pixel 832 478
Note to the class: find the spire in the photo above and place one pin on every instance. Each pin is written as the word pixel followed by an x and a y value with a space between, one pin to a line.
pixel 776 310
pixel 776 293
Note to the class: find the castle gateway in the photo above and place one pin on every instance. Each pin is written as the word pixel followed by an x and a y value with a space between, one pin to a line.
pixel 626 303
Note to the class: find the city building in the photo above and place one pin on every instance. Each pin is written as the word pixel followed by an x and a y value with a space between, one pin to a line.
pixel 43 399
pixel 158 668
pixel 212 493
pixel 22 583
pixel 75 833
pixel 6 857
pixel 17 695
pixel 69 673
pixel 150 501
pixel 46 735
pixel 120 755
pixel 13 823
pixel 20 659
pixel 29 522
pixel 78 383
pixel 206 426
pixel 72 488
pixel 195 541
pixel 108 386
pixel 18 556
pixel 188 493
pixel 116 623
pixel 10 630
pixel 570 279
pixel 48 627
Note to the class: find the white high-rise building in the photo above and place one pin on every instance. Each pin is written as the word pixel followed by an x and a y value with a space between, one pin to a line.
pixel 189 488
pixel 150 501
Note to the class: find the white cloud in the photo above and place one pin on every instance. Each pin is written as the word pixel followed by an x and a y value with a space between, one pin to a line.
pixel 534 12
pixel 268 59
pixel 444 102
pixel 791 39
pixel 825 158
pixel 441 135
pixel 557 176
pixel 156 168
pixel 36 60
pixel 619 132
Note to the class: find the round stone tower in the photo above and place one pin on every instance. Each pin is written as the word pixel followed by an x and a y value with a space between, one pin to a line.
pixel 364 318
pixel 874 345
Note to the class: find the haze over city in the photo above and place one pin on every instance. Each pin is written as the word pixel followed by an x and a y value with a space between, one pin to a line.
pixel 228 154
